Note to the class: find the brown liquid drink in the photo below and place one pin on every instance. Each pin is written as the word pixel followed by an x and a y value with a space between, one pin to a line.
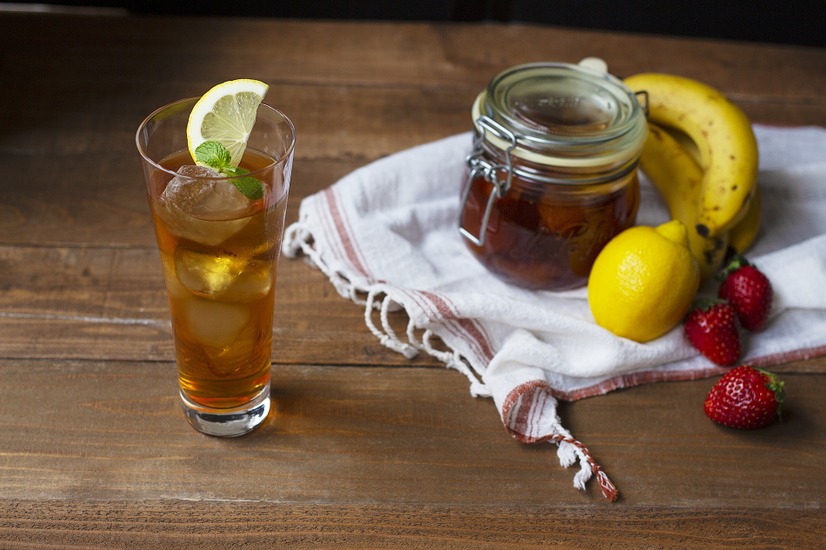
pixel 219 249
pixel 219 266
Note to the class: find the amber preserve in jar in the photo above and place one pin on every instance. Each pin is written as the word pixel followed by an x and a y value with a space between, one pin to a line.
pixel 553 173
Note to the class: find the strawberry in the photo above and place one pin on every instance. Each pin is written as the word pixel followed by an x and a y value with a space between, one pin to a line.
pixel 711 327
pixel 746 398
pixel 749 291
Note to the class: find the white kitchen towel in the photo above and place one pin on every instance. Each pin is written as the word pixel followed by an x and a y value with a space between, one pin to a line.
pixel 387 237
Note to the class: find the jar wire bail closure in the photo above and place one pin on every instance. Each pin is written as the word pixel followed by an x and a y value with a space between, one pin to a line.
pixel 492 173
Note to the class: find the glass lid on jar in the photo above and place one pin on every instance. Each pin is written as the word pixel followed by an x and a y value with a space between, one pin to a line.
pixel 559 104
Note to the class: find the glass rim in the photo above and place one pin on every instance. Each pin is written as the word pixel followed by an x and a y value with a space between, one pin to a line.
pixel 282 159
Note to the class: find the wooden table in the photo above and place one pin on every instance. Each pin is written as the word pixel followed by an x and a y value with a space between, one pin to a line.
pixel 365 448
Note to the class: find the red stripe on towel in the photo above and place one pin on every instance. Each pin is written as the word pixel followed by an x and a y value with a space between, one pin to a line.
pixel 475 334
pixel 351 252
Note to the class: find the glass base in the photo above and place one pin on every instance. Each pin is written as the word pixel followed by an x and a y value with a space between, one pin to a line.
pixel 228 422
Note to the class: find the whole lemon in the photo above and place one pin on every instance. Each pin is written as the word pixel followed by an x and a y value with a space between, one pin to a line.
pixel 643 281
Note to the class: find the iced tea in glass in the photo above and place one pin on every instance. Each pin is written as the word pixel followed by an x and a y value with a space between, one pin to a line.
pixel 219 251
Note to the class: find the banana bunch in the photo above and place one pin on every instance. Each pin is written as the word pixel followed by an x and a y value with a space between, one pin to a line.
pixel 701 155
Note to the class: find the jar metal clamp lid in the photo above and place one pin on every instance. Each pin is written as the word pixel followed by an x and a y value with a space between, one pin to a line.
pixel 552 123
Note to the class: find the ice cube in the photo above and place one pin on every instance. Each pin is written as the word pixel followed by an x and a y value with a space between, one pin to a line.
pixel 253 283
pixel 215 324
pixel 198 207
pixel 197 193
pixel 205 273
pixel 223 276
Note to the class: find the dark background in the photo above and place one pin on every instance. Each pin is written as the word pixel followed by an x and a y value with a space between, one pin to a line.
pixel 800 22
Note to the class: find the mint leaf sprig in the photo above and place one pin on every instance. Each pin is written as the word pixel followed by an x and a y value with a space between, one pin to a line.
pixel 216 156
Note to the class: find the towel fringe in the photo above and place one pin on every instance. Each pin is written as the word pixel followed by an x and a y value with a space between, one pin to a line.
pixel 410 349
pixel 566 454
pixel 387 336
pixel 298 238
pixel 588 465
pixel 451 359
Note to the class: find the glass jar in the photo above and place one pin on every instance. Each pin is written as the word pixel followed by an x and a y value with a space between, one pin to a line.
pixel 553 174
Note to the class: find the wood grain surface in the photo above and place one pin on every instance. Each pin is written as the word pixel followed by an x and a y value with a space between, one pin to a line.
pixel 364 449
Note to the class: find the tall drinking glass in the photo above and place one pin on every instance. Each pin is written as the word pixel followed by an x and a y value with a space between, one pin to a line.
pixel 219 251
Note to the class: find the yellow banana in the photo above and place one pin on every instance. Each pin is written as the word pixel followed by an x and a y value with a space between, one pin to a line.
pixel 743 234
pixel 724 138
pixel 678 178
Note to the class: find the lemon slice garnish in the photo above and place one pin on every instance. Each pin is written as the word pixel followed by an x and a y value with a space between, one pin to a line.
pixel 226 114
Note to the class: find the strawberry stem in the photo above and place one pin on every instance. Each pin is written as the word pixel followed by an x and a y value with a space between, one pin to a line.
pixel 735 262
